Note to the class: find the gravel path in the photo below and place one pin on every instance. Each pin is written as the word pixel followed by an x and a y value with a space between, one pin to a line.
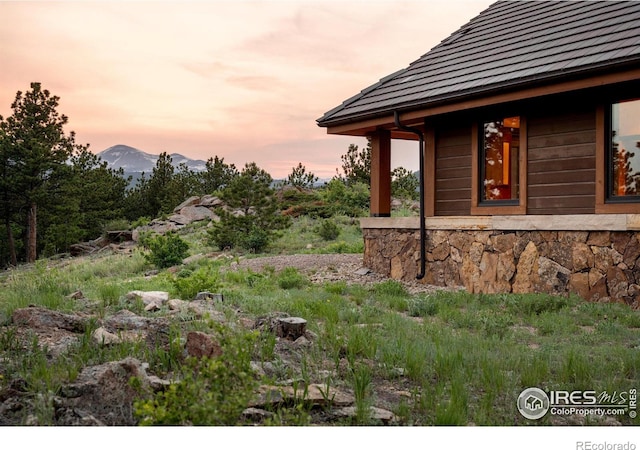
pixel 323 268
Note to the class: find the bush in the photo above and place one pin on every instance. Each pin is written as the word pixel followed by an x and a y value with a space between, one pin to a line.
pixel 188 284
pixel 351 201
pixel 256 240
pixel 343 247
pixel 256 218
pixel 290 278
pixel 328 230
pixel 210 391
pixel 391 288
pixel 166 251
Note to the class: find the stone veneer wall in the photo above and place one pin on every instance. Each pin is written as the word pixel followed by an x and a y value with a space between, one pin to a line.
pixel 597 265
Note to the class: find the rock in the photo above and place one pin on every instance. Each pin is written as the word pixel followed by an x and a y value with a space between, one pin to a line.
pixel 36 317
pixel 126 320
pixel 153 306
pixel 196 213
pixel 210 201
pixel 552 276
pixel 302 342
pixel 256 414
pixel 527 265
pixel 363 271
pixel 77 295
pixel 206 295
pixel 103 337
pixel 105 393
pixel 179 219
pixel 316 394
pixel 147 297
pixel 177 305
pixel 582 257
pixel 191 201
pixel 379 414
pixel 201 345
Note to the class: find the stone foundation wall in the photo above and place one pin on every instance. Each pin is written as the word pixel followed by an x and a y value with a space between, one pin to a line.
pixel 597 265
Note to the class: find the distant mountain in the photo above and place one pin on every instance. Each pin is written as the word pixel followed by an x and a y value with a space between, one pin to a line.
pixel 133 160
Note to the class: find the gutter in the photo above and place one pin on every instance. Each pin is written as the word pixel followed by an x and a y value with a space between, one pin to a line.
pixel 420 134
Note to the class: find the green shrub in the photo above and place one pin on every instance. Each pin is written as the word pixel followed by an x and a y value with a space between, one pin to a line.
pixel 210 391
pixel 423 307
pixel 166 251
pixel 290 278
pixel 256 240
pixel 117 225
pixel 140 222
pixel 351 201
pixel 187 284
pixel 391 288
pixel 328 230
pixel 343 247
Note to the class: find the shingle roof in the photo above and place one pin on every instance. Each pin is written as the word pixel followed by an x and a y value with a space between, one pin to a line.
pixel 510 44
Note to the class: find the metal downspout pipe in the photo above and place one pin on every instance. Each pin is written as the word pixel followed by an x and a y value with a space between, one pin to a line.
pixel 423 239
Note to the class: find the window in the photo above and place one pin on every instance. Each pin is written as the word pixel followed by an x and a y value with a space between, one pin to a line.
pixel 624 152
pixel 499 161
pixel 499 166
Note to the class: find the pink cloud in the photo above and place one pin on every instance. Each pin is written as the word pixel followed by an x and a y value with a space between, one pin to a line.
pixel 241 80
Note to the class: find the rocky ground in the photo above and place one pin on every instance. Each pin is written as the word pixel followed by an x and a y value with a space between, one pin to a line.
pixel 323 268
pixel 101 394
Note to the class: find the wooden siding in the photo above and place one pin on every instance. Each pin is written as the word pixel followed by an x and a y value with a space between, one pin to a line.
pixel 453 171
pixel 562 163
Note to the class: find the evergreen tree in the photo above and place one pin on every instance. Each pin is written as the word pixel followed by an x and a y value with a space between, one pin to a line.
pixel 35 150
pixel 184 183
pixel 256 218
pixel 404 184
pixel 356 165
pixel 8 202
pixel 300 178
pixel 101 192
pixel 218 175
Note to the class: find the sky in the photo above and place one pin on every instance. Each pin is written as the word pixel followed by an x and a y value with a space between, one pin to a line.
pixel 242 80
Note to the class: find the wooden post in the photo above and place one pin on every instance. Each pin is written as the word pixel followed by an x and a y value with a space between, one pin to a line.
pixel 381 173
pixel 429 170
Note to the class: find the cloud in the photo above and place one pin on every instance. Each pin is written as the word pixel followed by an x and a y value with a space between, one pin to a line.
pixel 244 80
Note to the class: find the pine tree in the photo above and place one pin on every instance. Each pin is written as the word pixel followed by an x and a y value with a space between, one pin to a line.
pixel 35 149
pixel 218 175
pixel 256 218
pixel 299 177
pixel 356 165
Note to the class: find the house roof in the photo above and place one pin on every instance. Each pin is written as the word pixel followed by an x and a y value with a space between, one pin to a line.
pixel 511 44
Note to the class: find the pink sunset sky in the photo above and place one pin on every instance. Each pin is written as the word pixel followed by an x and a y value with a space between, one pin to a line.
pixel 243 80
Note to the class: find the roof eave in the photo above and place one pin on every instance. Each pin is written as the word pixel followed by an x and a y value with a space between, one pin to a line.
pixel 475 93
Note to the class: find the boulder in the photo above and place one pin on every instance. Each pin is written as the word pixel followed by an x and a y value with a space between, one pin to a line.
pixel 148 297
pixel 191 201
pixel 201 345
pixel 105 392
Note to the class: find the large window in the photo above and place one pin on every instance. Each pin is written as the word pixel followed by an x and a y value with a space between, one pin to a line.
pixel 624 152
pixel 499 161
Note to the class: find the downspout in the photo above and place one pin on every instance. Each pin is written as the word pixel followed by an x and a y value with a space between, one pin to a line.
pixel 423 239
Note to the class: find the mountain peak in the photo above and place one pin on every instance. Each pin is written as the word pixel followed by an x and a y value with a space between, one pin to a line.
pixel 132 159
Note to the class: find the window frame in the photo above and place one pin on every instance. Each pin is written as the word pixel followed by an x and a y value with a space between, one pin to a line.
pixel 497 207
pixel 605 202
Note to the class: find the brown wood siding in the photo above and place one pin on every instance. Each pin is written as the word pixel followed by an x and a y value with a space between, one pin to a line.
pixel 453 171
pixel 562 163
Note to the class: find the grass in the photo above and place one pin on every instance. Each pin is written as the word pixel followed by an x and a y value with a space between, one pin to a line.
pixel 458 358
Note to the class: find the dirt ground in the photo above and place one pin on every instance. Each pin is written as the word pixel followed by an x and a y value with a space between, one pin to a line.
pixel 323 268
